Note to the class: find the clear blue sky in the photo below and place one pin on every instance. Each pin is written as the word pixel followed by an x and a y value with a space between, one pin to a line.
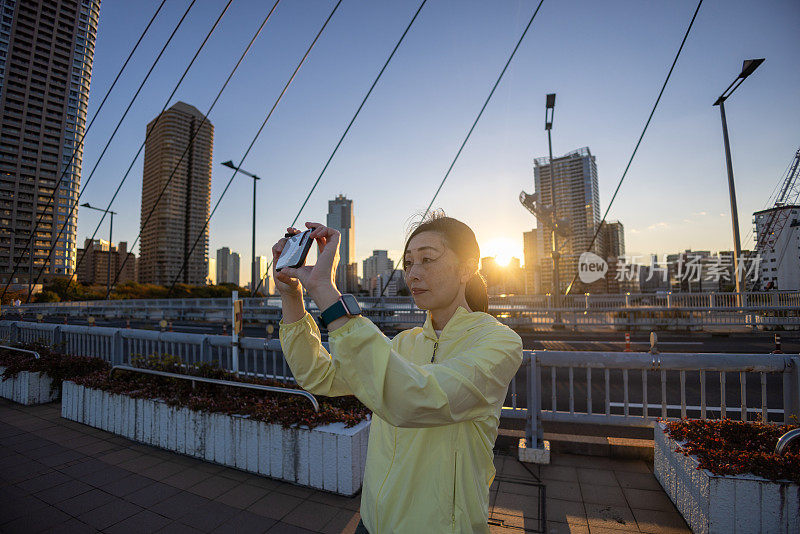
pixel 605 60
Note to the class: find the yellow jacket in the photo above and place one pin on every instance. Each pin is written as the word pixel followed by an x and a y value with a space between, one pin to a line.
pixel 436 407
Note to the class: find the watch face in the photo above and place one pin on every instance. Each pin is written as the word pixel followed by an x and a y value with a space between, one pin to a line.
pixel 351 304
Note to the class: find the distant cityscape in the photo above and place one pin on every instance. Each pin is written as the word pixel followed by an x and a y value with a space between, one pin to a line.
pixel 41 154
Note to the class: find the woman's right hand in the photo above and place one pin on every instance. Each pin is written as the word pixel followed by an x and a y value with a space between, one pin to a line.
pixel 285 284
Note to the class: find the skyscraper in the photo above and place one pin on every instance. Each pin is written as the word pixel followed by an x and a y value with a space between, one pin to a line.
pixel 612 239
pixel 227 266
pixel 576 202
pixel 377 271
pixel 46 53
pixel 177 150
pixel 341 217
pixel 533 267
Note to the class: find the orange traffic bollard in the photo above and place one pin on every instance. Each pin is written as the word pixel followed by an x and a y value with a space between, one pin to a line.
pixel 627 341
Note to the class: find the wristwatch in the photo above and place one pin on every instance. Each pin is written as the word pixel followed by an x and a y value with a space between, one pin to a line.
pixel 346 305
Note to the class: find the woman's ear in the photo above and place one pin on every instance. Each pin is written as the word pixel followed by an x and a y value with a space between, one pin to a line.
pixel 468 268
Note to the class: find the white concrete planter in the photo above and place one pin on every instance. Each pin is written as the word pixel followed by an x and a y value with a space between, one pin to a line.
pixel 27 388
pixel 329 457
pixel 723 504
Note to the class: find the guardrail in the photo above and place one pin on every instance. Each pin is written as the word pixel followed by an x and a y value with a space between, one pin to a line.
pixel 217 382
pixel 628 311
pixel 600 389
pixel 614 388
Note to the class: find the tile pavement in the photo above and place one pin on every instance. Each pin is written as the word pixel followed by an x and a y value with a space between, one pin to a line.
pixel 60 476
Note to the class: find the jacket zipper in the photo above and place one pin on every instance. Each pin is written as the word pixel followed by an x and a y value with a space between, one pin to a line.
pixel 455 470
pixel 435 346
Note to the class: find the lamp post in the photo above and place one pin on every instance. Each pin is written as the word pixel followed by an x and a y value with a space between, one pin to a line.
pixel 748 66
pixel 255 276
pixel 110 234
pixel 549 110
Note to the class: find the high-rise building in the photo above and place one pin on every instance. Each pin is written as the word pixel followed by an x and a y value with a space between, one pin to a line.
pixel 341 218
pixel 94 269
pixel 577 203
pixel 377 271
pixel 46 53
pixel 612 238
pixel 212 271
pixel 533 267
pixel 227 266
pixel 177 150
pixel 780 257
pixel 262 273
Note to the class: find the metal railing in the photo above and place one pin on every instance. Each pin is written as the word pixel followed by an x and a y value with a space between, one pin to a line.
pixel 217 382
pixel 617 388
pixel 17 349
pixel 623 311
pixel 614 388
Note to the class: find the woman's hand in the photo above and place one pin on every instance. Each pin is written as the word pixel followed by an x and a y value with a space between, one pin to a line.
pixel 318 279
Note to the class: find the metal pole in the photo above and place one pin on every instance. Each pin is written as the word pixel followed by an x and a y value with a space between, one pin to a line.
pixel 253 269
pixel 554 252
pixel 110 235
pixel 732 191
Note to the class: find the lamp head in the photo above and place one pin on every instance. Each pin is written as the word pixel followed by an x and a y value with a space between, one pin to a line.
pixel 749 66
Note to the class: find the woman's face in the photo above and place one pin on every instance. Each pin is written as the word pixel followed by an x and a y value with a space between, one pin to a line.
pixel 432 271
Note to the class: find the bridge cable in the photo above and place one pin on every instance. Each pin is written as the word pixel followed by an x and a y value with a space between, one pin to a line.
pixel 338 144
pixel 79 143
pixel 191 139
pixel 147 135
pixel 639 142
pixel 469 133
pixel 105 148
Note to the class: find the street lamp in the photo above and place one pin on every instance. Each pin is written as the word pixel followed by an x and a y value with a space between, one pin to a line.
pixel 255 276
pixel 748 67
pixel 110 230
pixel 549 110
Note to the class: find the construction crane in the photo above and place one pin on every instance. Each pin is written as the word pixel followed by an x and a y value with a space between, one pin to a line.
pixel 788 195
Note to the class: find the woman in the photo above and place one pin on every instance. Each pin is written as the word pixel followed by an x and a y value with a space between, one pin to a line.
pixel 436 391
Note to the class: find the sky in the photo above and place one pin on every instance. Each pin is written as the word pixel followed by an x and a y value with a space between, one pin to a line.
pixel 606 61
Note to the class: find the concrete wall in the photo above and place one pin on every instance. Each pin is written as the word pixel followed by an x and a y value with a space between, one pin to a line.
pixel 723 504
pixel 329 457
pixel 27 388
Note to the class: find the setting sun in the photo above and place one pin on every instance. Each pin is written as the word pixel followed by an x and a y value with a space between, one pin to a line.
pixel 502 249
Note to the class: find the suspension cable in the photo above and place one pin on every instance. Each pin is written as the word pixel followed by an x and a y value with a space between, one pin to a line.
pixel 147 135
pixel 252 143
pixel 336 148
pixel 469 133
pixel 639 142
pixel 79 144
pixel 113 134
pixel 197 130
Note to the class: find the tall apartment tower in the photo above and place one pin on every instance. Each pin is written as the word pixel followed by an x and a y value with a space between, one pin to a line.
pixel 533 267
pixel 577 201
pixel 177 150
pixel 341 217
pixel 46 53
pixel 227 266
pixel 612 239
pixel 780 258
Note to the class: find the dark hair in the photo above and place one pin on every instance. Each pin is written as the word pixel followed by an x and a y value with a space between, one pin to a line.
pixel 459 238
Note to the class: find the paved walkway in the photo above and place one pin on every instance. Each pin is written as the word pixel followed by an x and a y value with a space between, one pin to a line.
pixel 61 476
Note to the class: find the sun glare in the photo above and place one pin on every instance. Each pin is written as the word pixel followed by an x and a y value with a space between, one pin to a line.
pixel 502 249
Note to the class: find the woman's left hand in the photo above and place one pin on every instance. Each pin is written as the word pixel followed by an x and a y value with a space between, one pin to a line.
pixel 321 276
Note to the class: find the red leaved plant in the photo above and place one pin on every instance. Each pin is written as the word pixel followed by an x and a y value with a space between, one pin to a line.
pixel 727 447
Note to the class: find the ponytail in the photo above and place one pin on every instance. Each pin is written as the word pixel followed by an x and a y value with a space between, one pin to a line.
pixel 475 292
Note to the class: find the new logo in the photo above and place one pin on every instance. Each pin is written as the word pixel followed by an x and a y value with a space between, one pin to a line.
pixel 591 267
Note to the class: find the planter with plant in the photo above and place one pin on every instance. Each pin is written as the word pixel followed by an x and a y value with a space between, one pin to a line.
pixel 725 476
pixel 32 373
pixel 273 434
